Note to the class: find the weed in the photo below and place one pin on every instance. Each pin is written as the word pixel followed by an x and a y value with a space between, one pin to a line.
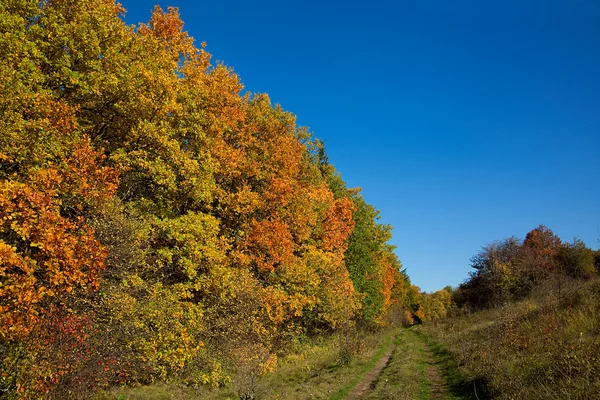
pixel 544 347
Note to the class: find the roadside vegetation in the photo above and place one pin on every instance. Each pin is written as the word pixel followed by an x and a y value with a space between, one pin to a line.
pixel 405 376
pixel 160 224
pixel 543 347
pixel 526 324
pixel 165 233
pixel 314 369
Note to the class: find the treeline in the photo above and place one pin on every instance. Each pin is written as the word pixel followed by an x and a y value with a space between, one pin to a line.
pixel 526 323
pixel 157 222
pixel 510 269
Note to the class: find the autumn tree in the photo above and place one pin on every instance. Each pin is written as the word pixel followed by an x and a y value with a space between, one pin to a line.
pixel 509 270
pixel 575 259
pixel 438 304
pixel 157 222
pixel 493 281
pixel 538 253
pixel 52 179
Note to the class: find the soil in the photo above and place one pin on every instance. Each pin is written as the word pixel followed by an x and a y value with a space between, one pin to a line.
pixel 438 390
pixel 366 384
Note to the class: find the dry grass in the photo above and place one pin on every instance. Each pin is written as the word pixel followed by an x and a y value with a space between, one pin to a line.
pixel 312 371
pixel 546 347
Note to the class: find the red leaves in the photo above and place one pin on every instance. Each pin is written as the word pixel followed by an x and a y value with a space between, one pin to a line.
pixel 338 224
pixel 58 345
pixel 271 243
pixel 167 27
pixel 223 218
pixel 46 253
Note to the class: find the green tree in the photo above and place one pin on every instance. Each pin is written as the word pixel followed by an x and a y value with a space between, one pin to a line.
pixel 575 259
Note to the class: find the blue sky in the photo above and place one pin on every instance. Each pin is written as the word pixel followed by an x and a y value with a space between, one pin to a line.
pixel 463 121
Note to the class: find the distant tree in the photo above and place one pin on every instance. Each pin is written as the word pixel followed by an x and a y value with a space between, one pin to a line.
pixel 509 270
pixel 538 258
pixel 492 282
pixel 575 259
pixel 438 304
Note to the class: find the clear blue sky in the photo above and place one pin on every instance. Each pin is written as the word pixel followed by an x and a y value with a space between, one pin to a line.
pixel 463 121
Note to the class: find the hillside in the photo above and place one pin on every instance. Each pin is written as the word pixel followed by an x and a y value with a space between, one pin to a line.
pixel 544 347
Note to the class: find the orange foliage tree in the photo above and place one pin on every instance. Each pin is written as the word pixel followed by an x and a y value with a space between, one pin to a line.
pixel 169 223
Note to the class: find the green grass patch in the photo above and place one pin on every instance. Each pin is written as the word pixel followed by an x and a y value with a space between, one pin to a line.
pixel 405 375
pixel 312 371
pixel 363 369
pixel 457 385
pixel 424 392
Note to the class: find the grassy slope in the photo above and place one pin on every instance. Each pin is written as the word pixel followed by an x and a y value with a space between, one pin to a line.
pixel 313 372
pixel 546 347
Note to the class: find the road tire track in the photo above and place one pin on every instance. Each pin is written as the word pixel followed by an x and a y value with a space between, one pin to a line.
pixel 366 384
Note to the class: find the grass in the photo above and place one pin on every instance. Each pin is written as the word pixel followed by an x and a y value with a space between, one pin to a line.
pixel 313 372
pixel 404 377
pixel 154 392
pixel 545 347
pixel 456 384
pixel 363 369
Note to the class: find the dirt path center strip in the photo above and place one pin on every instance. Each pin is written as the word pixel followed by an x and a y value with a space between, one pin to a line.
pixel 364 386
pixel 438 389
